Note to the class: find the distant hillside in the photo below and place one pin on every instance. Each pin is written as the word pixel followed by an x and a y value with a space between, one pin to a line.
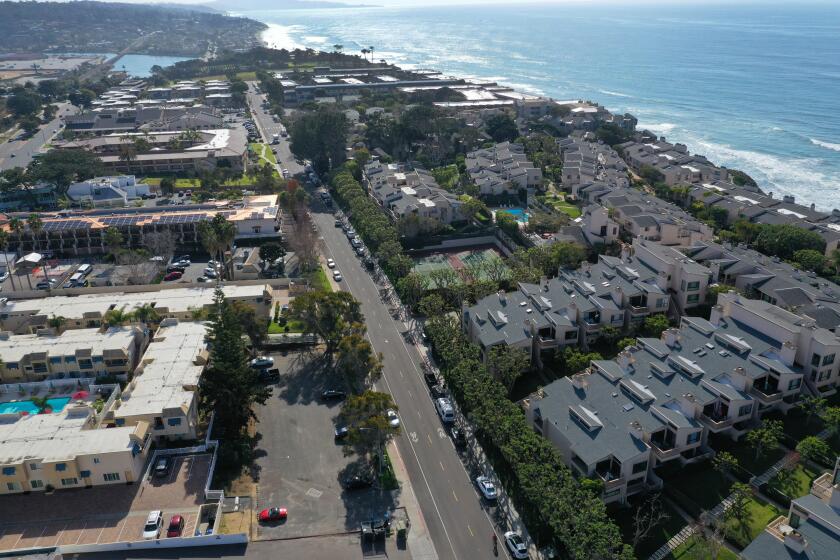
pixel 113 27
pixel 254 5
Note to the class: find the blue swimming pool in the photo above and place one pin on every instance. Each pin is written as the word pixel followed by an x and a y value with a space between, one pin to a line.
pixel 520 214
pixel 57 405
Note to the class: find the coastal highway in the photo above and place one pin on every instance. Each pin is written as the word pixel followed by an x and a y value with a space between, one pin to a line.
pixel 19 153
pixel 458 522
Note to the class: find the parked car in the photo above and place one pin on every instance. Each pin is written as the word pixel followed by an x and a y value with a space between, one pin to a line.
pixel 266 375
pixel 262 362
pixel 438 392
pixel 341 432
pixel 202 279
pixel 211 273
pixel 330 263
pixel 176 526
pixel 430 377
pixel 458 437
pixel 516 545
pixel 445 410
pixel 273 514
pixel 47 285
pixel 337 276
pixel 162 467
pixel 338 223
pixel 176 268
pixel 175 275
pixel 393 419
pixel 154 522
pixel 333 395
pixel 486 487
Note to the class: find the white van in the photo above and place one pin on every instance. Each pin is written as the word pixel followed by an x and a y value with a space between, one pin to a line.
pixel 445 410
pixel 84 269
pixel 77 279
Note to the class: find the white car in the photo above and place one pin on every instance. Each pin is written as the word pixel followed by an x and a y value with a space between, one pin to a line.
pixel 516 545
pixel 337 275
pixel 486 487
pixel 330 263
pixel 154 522
pixel 393 419
pixel 262 362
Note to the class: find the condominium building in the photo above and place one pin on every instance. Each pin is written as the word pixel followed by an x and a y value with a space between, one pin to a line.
pixel 77 353
pixel 810 530
pixel 660 399
pixel 66 446
pixel 687 280
pixel 88 311
pixel 568 310
pixel 163 390
pixel 81 232
pixel 502 169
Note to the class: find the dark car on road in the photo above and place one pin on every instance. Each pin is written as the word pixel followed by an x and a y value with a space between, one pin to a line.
pixel 458 437
pixel 333 395
pixel 162 467
pixel 268 375
pixel 341 432
pixel 430 377
pixel 438 391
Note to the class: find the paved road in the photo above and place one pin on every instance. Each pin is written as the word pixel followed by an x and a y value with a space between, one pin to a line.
pixel 458 523
pixel 268 128
pixel 19 153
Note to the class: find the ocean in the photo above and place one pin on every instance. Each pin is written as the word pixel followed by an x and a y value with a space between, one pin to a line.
pixel 751 87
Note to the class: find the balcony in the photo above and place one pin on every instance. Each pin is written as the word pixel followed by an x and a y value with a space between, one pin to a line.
pixel 821 487
pixel 716 422
pixel 664 452
pixel 637 311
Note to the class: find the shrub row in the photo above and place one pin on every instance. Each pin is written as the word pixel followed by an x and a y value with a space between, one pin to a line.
pixel 554 506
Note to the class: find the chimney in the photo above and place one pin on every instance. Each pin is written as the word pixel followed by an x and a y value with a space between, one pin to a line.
pixel 625 252
pixel 671 337
pixel 502 297
pixel 716 315
pixel 580 381
pixel 618 295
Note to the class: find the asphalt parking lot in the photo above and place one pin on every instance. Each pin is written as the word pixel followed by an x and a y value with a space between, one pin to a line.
pixel 105 513
pixel 299 463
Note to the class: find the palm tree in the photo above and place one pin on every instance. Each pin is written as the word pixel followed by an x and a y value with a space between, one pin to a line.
pixel 225 233
pixel 17 226
pixel 56 322
pixel 146 313
pixel 36 226
pixel 370 50
pixel 41 403
pixel 338 48
pixel 116 317
pixel 4 244
pixel 113 239
pixel 364 53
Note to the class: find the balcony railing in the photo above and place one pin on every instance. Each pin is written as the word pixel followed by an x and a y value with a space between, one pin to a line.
pixel 821 487
pixel 664 453
pixel 716 422
pixel 637 310
pixel 612 483
pixel 766 397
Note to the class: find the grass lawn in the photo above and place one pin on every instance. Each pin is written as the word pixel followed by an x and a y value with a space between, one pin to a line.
pixel 694 549
pixel 319 280
pixel 292 326
pixel 759 514
pixel 623 517
pixel 263 151
pixel 796 482
pixel 558 202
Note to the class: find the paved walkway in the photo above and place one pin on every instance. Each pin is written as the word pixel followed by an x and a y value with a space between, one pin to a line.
pixel 420 544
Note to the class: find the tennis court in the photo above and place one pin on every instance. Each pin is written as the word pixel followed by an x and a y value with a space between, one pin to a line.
pixel 456 260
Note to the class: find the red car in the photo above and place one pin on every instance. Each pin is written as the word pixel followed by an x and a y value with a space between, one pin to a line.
pixel 273 514
pixel 176 526
pixel 173 276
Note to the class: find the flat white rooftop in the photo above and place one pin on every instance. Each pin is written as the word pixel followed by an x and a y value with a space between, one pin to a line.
pixel 13 348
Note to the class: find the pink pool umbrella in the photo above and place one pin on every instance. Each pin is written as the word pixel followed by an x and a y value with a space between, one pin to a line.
pixel 78 395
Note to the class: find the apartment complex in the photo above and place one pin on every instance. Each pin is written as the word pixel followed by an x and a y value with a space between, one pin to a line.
pixel 168 152
pixel 502 169
pixel 67 447
pixel 673 161
pixel 810 530
pixel 115 191
pixel 81 232
pixel 687 280
pixel 155 118
pixel 568 310
pixel 79 353
pixel 586 162
pixel 407 192
pixel 660 399
pixel 88 311
pixel 163 391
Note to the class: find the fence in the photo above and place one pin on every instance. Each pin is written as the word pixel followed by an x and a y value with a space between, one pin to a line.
pixel 177 542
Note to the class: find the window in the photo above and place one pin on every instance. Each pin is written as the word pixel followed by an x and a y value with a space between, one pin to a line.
pixel 640 467
pixel 744 410
pixel 85 474
pixel 35 484
pixel 693 298
pixel 61 467
pixel 12 486
pixel 120 421
pixel 12 365
pixel 85 364
pixel 97 359
pixel 9 471
pixel 693 437
pixel 794 383
pixel 682 285
pixel 111 477
pixel 174 421
pixel 70 359
pixel 815 360
pixel 693 286
pixel 96 460
pixel 34 467
pixel 660 302
pixel 55 360
pixel 829 359
pixel 69 481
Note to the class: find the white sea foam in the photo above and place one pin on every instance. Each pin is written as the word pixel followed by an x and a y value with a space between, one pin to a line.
pixel 281 36
pixel 664 128
pixel 826 145
pixel 613 93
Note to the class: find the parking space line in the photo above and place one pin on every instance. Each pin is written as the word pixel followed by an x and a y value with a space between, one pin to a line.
pixel 119 535
pixel 14 546
pixel 82 532
pixel 175 468
pixel 192 464
pixel 99 536
pixel 44 530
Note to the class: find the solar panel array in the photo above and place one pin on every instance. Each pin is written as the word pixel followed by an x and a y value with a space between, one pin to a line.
pixel 181 218
pixel 123 220
pixel 62 225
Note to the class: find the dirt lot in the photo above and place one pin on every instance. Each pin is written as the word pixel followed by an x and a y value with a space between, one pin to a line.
pixel 103 514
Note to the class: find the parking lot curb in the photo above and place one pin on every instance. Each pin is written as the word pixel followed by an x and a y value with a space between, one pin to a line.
pixel 302 537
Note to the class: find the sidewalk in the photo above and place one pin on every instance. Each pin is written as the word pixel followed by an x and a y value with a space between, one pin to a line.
pixel 420 544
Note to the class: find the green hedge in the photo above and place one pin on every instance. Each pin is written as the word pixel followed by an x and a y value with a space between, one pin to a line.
pixel 554 506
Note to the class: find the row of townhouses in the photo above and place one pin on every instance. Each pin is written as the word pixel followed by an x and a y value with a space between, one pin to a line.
pixel 661 398
pixel 502 169
pixel 404 191
pixel 673 161
pixel 586 161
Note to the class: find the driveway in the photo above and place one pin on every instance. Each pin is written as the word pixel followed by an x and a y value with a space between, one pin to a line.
pixel 299 463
